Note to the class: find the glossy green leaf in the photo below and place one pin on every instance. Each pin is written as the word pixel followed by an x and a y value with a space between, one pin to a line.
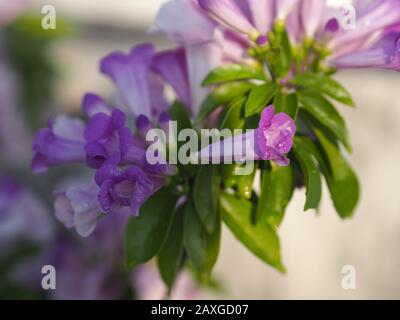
pixel 287 103
pixel 222 95
pixel 311 174
pixel 261 239
pixel 326 114
pixel 229 177
pixel 145 234
pixel 234 115
pixel 169 258
pixel 277 186
pixel 205 196
pixel 202 247
pixel 233 72
pixel 343 183
pixel 245 184
pixel 325 84
pixel 259 98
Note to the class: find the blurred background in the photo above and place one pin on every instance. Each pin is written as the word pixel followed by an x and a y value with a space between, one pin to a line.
pixel 52 72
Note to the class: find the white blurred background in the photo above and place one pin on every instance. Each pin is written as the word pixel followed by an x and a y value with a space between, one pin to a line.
pixel 314 248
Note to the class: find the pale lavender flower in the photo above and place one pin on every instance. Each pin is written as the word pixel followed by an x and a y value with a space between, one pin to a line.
pixel 62 142
pixel 138 87
pixel 385 55
pixel 183 22
pixel 230 14
pixel 373 17
pixel 284 8
pixel 78 208
pixel 263 14
pixel 312 12
pixel 172 67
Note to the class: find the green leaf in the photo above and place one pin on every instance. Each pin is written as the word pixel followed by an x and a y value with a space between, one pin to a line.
pixel 234 115
pixel 259 98
pixel 202 247
pixel 145 234
pixel 233 72
pixel 229 177
pixel 222 95
pixel 311 174
pixel 286 53
pixel 179 113
pixel 287 103
pixel 324 84
pixel 343 183
pixel 245 184
pixel 261 239
pixel 326 114
pixel 277 186
pixel 206 194
pixel 170 257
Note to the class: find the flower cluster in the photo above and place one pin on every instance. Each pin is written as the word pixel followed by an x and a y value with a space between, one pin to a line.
pixel 263 66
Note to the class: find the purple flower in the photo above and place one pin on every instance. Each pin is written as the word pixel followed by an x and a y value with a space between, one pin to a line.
pixel 61 143
pixel 183 22
pixel 385 54
pixel 140 90
pixel 275 136
pixel 22 216
pixel 107 137
pixel 201 59
pixel 78 208
pixel 230 14
pixel 312 12
pixel 373 16
pixel 171 66
pixel 83 275
pixel 93 104
pixel 284 8
pixel 271 141
pixel 129 187
pixel 263 14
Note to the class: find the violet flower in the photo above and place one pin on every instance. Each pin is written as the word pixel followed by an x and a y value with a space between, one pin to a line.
pixel 93 104
pixel 271 141
pixel 108 137
pixel 196 34
pixel 61 143
pixel 373 16
pixel 129 187
pixel 23 216
pixel 385 55
pixel 312 12
pixel 137 85
pixel 284 8
pixel 171 65
pixel 230 14
pixel 183 22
